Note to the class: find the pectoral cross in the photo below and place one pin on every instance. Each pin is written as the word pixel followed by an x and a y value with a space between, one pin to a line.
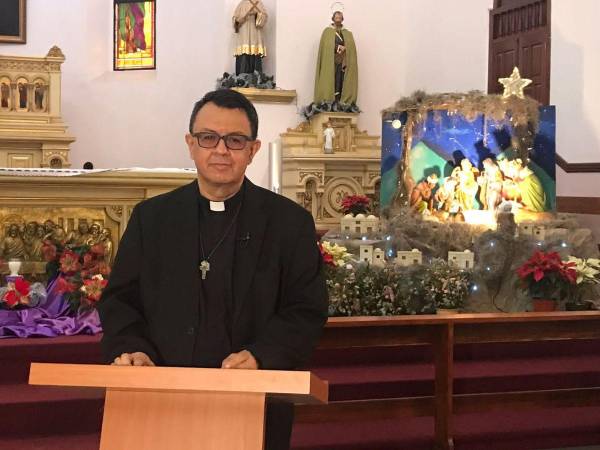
pixel 204 267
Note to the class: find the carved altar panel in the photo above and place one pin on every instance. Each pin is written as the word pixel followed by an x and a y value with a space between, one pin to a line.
pixel 87 208
pixel 24 230
pixel 319 181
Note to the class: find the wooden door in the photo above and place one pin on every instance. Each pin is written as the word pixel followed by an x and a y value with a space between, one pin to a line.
pixel 520 36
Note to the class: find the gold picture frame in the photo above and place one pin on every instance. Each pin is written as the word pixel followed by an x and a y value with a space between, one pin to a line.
pixel 134 46
pixel 13 21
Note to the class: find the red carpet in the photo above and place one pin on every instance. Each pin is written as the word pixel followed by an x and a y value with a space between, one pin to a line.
pixel 69 419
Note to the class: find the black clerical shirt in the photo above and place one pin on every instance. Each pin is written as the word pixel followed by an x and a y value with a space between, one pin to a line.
pixel 215 302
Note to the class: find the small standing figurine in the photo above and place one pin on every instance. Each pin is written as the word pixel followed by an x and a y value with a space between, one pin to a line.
pixel 328 134
pixel 249 18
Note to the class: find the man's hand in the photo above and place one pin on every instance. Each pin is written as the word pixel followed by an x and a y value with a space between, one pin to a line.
pixel 133 359
pixel 241 360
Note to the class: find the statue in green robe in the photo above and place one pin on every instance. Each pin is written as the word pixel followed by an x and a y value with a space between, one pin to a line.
pixel 530 187
pixel 337 68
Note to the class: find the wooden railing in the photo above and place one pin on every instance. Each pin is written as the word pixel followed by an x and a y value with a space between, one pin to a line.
pixel 443 332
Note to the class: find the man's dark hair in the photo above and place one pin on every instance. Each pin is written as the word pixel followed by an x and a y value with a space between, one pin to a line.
pixel 227 98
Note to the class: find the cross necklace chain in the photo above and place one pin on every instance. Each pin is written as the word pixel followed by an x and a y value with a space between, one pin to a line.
pixel 204 266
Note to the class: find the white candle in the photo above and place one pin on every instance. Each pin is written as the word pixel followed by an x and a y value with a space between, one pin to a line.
pixel 275 166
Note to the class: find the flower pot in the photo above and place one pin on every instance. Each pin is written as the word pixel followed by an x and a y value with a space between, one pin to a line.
pixel 543 305
pixel 446 311
pixel 577 306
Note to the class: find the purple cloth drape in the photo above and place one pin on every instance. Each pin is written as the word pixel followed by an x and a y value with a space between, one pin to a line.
pixel 49 319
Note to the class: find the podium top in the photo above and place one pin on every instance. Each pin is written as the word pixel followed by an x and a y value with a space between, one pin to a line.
pixel 296 386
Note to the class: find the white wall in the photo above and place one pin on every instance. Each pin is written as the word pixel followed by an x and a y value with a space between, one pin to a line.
pixel 575 90
pixel 139 118
pixel 575 78
pixel 135 118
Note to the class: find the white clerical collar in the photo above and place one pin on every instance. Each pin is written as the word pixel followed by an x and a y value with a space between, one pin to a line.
pixel 217 206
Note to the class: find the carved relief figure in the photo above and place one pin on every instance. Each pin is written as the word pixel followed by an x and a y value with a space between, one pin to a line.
pixel 39 96
pixel 13 246
pixel 79 236
pixel 54 232
pixel 106 241
pixel 29 236
pixel 4 95
pixel 94 234
pixel 36 248
pixel 22 88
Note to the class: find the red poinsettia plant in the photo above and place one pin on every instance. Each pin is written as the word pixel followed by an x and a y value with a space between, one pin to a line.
pixel 81 272
pixel 16 293
pixel 355 204
pixel 545 275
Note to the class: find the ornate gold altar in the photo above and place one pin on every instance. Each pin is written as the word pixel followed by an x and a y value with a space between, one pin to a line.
pixel 81 207
pixel 318 180
pixel 32 132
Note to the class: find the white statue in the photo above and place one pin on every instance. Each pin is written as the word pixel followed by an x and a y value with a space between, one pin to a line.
pixel 328 134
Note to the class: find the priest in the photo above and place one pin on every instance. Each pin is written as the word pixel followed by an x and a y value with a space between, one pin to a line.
pixel 218 273
pixel 336 79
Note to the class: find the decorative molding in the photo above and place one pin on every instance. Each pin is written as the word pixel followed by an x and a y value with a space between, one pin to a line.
pixel 114 212
pixel 268 95
pixel 588 167
pixel 578 205
pixel 55 52
pixel 25 65
pixel 318 175
pixel 373 175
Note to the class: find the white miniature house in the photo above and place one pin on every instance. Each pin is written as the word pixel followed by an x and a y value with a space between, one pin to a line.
pixel 378 257
pixel 463 260
pixel 366 253
pixel 526 229
pixel 409 258
pixel 359 224
pixel 539 232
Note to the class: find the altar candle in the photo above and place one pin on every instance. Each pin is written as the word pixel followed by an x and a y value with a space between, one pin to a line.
pixel 275 166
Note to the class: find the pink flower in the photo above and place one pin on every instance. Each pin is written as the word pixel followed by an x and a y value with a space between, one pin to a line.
pixel 93 287
pixel 69 262
pixel 63 285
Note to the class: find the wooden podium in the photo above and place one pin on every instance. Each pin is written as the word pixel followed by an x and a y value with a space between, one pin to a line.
pixel 159 408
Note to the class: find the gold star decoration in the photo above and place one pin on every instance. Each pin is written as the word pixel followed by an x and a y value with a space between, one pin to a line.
pixel 514 84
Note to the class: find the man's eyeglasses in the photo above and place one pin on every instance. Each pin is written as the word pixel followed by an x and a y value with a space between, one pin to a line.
pixel 208 139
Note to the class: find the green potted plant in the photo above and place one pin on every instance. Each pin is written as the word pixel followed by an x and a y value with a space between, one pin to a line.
pixel 447 286
pixel 547 279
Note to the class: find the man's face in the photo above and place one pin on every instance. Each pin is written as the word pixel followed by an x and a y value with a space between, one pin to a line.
pixel 219 166
pixel 13 231
pixel 338 18
pixel 83 227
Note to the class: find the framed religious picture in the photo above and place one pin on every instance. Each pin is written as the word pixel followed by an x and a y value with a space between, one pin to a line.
pixel 12 21
pixel 134 35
